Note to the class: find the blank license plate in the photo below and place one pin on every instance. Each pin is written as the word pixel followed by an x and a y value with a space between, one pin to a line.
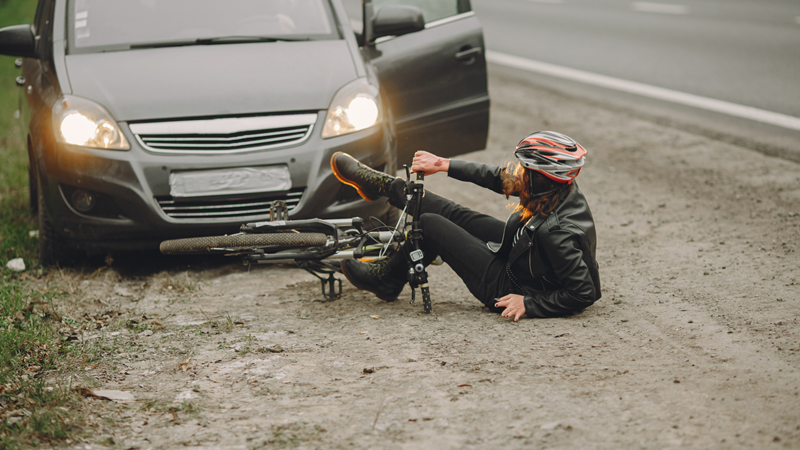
pixel 243 180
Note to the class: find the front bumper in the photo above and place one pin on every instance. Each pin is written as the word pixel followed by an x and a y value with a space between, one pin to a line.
pixel 129 184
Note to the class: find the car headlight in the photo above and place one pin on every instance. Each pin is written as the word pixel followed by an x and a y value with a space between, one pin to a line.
pixel 82 122
pixel 354 107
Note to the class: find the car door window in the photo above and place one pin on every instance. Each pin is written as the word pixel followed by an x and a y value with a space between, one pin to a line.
pixel 42 25
pixel 39 19
pixel 432 10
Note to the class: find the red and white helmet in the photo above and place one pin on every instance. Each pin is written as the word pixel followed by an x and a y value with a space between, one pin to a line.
pixel 554 155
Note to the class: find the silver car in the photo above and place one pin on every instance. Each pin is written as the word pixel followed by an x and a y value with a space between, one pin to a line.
pixel 147 120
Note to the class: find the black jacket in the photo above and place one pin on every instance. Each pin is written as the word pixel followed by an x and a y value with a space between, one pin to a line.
pixel 553 261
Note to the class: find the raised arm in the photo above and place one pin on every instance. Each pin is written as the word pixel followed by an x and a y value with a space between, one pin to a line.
pixel 484 175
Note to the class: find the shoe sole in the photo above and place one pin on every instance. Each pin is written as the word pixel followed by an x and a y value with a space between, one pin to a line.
pixel 360 286
pixel 344 180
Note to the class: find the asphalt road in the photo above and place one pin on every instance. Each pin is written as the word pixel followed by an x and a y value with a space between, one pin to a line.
pixel 742 51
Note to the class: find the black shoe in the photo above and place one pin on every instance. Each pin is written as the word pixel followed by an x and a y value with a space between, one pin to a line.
pixel 385 279
pixel 370 183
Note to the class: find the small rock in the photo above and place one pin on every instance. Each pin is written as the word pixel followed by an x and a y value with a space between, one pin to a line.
pixel 16 264
pixel 624 320
pixel 116 396
pixel 122 292
pixel 691 321
pixel 146 333
pixel 550 426
pixel 780 322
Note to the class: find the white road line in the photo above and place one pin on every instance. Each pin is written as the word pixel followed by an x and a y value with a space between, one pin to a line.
pixel 659 8
pixel 709 104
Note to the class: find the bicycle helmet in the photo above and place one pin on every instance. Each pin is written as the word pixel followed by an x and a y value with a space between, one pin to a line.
pixel 554 155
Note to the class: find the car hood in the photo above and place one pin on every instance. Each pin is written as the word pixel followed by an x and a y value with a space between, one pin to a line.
pixel 202 81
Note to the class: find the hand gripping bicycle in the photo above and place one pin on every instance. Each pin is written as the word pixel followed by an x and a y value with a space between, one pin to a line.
pixel 319 245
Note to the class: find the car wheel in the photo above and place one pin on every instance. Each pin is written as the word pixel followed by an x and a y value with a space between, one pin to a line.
pixel 51 251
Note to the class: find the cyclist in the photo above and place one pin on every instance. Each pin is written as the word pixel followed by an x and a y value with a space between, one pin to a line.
pixel 539 263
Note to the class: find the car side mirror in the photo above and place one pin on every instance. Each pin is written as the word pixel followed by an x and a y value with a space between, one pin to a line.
pixel 18 40
pixel 397 20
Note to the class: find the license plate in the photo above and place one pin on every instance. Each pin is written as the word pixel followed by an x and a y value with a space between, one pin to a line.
pixel 243 180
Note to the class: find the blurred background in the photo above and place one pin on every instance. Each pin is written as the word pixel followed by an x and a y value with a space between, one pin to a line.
pixel 741 51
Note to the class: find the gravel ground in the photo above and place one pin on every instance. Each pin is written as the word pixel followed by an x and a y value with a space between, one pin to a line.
pixel 693 345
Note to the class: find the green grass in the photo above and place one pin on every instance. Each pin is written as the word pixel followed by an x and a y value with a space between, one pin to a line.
pixel 33 411
pixel 15 220
pixel 31 352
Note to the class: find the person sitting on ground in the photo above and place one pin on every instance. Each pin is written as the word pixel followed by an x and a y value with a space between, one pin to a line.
pixel 539 263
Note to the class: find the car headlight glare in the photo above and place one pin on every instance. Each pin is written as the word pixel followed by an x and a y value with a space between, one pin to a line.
pixel 85 123
pixel 355 107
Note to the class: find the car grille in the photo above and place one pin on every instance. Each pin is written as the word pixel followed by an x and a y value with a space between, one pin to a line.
pixel 220 209
pixel 227 135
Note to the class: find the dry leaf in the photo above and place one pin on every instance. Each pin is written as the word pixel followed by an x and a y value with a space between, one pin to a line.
pixel 185 365
pixel 110 395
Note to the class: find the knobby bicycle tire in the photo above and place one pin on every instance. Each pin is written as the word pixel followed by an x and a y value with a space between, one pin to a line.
pixel 270 241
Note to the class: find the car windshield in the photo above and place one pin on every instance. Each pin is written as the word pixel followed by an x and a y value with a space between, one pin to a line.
pixel 109 25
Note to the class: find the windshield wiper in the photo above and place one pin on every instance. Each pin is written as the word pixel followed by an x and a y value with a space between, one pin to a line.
pixel 246 39
pixel 217 41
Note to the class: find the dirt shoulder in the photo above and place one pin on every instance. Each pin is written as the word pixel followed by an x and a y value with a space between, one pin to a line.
pixel 695 342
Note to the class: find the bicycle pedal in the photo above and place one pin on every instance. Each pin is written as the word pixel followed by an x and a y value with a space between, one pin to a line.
pixel 332 292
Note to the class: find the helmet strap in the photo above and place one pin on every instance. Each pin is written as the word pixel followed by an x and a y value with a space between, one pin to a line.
pixel 542 194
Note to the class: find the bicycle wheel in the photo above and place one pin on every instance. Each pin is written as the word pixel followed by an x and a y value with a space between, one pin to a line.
pixel 238 242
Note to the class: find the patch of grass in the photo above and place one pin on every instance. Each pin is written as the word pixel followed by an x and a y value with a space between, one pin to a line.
pixel 32 411
pixel 293 434
pixel 184 409
pixel 15 220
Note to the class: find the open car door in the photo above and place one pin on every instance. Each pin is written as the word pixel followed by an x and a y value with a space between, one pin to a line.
pixel 434 79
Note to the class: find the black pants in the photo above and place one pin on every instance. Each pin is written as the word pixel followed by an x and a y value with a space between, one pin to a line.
pixel 459 235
